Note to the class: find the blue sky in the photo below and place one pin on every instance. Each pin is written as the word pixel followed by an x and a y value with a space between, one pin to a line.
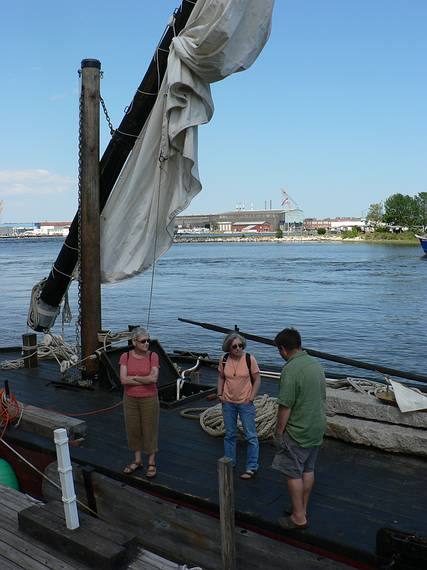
pixel 334 109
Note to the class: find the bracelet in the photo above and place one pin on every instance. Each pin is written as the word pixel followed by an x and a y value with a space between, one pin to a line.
pixel 218 395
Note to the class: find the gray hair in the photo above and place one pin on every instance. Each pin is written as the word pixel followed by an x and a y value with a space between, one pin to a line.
pixel 228 341
pixel 139 331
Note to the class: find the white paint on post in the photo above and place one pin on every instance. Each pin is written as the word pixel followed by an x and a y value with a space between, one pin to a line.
pixel 66 477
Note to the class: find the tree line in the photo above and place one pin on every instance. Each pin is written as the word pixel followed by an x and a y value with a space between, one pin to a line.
pixel 400 210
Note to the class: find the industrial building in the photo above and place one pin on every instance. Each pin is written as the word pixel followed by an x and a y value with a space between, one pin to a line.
pixel 234 221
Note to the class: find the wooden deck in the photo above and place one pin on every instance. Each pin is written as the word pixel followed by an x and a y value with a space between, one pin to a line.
pixel 18 551
pixel 358 490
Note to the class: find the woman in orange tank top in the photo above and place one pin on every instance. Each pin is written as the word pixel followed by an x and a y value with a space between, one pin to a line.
pixel 238 385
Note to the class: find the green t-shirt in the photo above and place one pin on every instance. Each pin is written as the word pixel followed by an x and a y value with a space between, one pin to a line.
pixel 302 388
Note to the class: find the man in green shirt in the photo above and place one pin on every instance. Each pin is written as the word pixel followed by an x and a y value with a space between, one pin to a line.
pixel 301 423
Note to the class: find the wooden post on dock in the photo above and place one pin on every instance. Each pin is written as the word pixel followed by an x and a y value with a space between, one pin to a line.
pixel 29 350
pixel 90 271
pixel 226 513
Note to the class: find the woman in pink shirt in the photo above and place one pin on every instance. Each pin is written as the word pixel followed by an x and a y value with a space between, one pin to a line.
pixel 139 370
pixel 238 385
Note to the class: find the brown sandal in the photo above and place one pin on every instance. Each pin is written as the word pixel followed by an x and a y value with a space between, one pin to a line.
pixel 132 467
pixel 151 470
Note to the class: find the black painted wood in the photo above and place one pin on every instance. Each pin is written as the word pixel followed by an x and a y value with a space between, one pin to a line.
pixel 401 551
pixel 94 543
pixel 116 153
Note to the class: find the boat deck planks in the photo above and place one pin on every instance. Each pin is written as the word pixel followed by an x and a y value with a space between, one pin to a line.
pixel 18 551
pixel 358 490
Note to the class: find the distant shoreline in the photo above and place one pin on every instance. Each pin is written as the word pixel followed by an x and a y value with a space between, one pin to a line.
pixel 293 239
pixel 260 239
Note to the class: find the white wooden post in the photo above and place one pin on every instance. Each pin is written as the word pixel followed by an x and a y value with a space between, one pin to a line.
pixel 66 477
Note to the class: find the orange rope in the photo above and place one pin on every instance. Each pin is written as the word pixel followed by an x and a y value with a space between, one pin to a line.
pixel 10 410
pixel 89 413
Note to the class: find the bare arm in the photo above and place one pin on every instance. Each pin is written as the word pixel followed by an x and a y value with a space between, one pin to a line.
pixel 282 420
pixel 220 386
pixel 138 380
pixel 255 386
pixel 150 378
pixel 125 379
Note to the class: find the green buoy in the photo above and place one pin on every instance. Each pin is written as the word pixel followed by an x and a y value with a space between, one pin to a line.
pixel 7 475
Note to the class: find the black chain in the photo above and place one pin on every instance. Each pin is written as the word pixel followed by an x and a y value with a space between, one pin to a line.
pixel 79 234
pixel 107 116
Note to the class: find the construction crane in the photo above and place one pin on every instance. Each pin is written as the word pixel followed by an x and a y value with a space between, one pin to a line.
pixel 293 213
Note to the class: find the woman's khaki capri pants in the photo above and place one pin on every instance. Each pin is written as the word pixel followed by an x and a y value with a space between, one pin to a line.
pixel 142 423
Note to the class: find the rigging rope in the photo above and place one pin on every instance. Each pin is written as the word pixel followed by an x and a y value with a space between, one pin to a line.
pixel 266 407
pixel 55 347
pixel 10 409
pixel 35 310
pixel 162 159
pixel 43 475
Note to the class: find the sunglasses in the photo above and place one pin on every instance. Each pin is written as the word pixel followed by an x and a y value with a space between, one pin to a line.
pixel 240 345
pixel 144 341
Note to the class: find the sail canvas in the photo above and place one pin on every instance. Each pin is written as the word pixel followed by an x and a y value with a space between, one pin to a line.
pixel 160 177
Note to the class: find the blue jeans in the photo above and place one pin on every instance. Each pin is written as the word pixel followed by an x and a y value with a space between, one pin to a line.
pixel 247 417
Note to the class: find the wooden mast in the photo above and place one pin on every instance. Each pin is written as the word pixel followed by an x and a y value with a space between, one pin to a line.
pixel 90 274
pixel 116 154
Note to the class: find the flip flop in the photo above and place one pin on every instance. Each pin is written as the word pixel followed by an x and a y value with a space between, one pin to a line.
pixel 151 471
pixel 288 524
pixel 132 467
pixel 248 474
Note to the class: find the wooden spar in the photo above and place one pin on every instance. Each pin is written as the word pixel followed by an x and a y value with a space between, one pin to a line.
pixel 90 274
pixel 116 154
pixel 318 354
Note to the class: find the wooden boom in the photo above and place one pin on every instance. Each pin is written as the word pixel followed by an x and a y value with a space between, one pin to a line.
pixel 318 354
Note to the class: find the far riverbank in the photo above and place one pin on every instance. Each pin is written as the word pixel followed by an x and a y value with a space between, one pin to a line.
pixel 402 239
pixel 293 239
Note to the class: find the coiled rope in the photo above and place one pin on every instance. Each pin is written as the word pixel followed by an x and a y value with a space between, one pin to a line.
pixel 266 407
pixel 53 346
pixel 361 385
pixel 10 410
pixel 36 309
pixel 65 354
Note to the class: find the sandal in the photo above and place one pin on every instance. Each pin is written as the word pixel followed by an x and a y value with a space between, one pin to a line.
pixel 288 524
pixel 151 470
pixel 248 474
pixel 132 467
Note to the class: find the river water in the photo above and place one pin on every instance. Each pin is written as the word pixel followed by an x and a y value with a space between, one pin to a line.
pixel 365 301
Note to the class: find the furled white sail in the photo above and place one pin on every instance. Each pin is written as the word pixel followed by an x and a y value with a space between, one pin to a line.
pixel 160 177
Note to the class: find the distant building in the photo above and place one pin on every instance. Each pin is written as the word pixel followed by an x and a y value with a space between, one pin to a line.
pixel 224 222
pixel 252 227
pixel 334 224
pixel 52 228
pixel 16 229
pixel 315 224
pixel 342 224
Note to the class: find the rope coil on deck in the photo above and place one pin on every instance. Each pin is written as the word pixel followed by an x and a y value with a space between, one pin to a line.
pixel 10 409
pixel 65 354
pixel 212 422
